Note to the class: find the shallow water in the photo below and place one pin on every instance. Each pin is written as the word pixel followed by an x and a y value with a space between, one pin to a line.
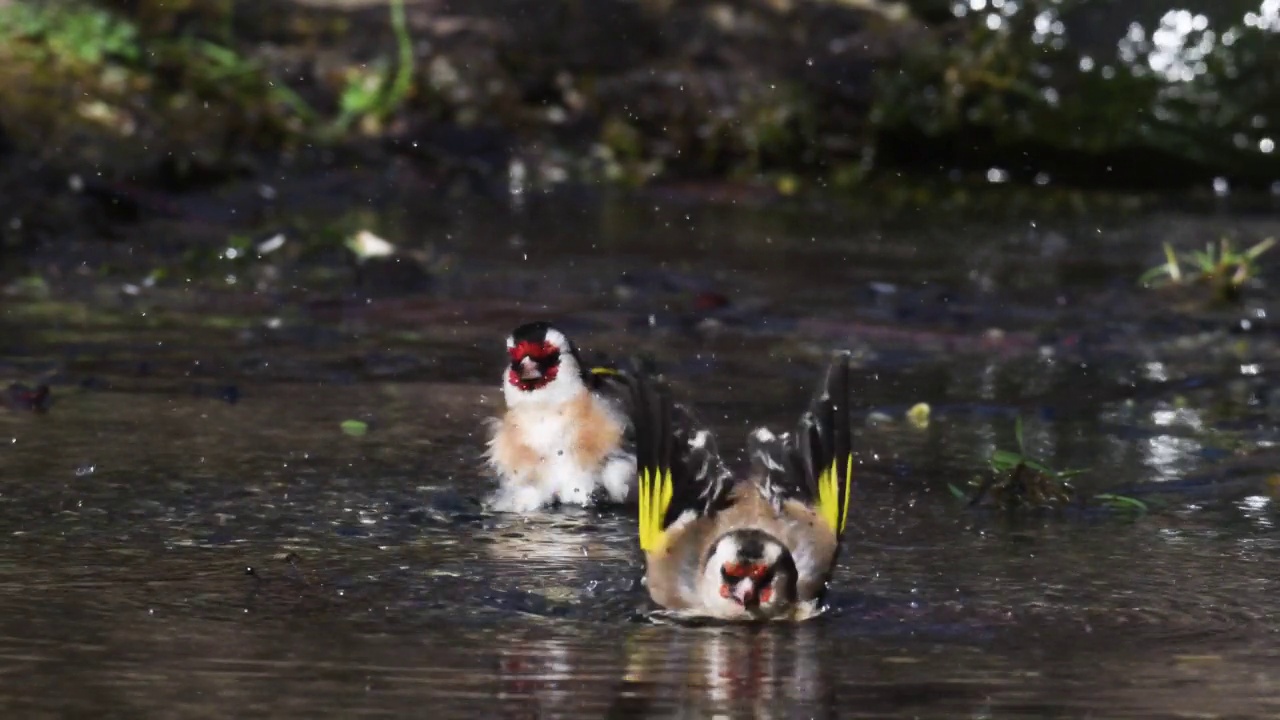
pixel 174 554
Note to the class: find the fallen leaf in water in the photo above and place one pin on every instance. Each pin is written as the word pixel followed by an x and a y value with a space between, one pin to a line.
pixel 366 245
pixel 918 415
pixel 271 244
pixel 355 427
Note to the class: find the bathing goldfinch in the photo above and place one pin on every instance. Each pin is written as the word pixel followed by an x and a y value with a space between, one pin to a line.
pixel 759 547
pixel 564 433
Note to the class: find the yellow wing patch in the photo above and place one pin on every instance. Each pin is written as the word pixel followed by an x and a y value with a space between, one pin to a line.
pixel 655 497
pixel 604 371
pixel 834 510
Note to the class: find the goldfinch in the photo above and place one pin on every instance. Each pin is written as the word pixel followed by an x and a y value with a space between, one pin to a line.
pixel 760 547
pixel 564 434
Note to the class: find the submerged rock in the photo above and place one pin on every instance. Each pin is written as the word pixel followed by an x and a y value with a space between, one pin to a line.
pixel 22 397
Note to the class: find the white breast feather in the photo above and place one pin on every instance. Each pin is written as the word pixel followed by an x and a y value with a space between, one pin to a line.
pixel 545 426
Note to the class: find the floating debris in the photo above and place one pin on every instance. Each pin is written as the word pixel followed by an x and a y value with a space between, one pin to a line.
pixel 366 245
pixel 918 415
pixel 271 244
pixel 355 428
pixel 878 417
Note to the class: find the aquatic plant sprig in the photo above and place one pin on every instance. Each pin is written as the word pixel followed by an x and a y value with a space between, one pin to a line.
pixel 112 51
pixel 1017 481
pixel 373 95
pixel 1222 269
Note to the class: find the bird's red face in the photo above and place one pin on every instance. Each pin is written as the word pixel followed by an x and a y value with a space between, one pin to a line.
pixel 533 364
pixel 748 584
pixel 748 573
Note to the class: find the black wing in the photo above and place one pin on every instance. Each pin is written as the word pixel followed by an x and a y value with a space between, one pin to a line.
pixel 613 377
pixel 615 381
pixel 680 469
pixel 815 464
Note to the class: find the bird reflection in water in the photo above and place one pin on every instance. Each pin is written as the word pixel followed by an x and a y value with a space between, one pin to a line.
pixel 745 671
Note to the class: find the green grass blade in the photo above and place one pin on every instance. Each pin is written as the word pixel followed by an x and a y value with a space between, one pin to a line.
pixel 1122 502
pixel 1253 252
pixel 1039 467
pixel 1171 260
pixel 404 44
pixel 1149 277
pixel 1004 460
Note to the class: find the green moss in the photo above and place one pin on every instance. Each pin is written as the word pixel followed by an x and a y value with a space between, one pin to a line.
pixel 74 34
pixel 140 89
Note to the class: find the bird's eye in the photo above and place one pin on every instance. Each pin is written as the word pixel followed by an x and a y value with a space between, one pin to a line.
pixel 738 571
pixel 535 350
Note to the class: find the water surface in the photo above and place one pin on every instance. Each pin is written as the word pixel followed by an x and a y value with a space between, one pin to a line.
pixel 191 534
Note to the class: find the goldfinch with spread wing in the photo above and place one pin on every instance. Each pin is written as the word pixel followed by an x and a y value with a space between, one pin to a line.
pixel 564 435
pixel 761 547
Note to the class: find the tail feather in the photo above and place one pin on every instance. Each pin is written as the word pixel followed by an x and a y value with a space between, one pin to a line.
pixel 825 443
pixel 839 463
pixel 815 464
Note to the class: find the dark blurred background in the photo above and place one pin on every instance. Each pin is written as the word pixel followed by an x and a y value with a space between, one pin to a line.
pixel 789 94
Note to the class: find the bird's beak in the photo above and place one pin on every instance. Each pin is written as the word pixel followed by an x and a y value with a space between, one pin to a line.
pixel 527 369
pixel 745 593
